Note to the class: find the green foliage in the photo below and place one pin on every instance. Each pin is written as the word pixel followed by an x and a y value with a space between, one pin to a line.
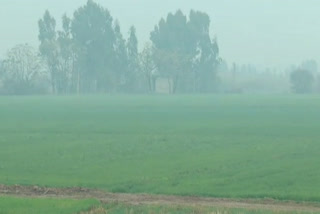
pixel 171 39
pixel 172 34
pixel 186 54
pixel 47 28
pixel 90 54
pixel 132 77
pixel 107 63
pixel 302 81
pixel 228 146
pixel 132 45
pixel 67 75
pixel 173 66
pixel 93 33
pixel 10 205
pixel 148 67
pixel 50 49
pixel 121 61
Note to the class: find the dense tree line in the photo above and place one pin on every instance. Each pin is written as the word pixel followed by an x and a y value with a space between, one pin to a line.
pixel 91 55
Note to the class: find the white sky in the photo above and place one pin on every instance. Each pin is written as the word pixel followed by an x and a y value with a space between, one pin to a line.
pixel 272 33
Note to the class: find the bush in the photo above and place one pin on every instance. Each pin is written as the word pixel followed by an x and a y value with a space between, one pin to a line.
pixel 302 81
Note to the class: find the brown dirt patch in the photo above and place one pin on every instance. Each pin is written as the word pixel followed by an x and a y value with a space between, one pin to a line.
pixel 146 199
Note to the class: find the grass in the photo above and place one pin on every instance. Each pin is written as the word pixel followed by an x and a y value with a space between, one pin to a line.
pixel 10 205
pixel 158 209
pixel 223 146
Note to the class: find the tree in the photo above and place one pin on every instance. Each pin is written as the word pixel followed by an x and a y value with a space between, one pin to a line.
pixel 68 75
pixel 49 47
pixel 148 66
pixel 2 73
pixel 171 40
pixel 22 70
pixel 133 60
pixel 174 66
pixel 132 45
pixel 120 75
pixel 318 82
pixel 206 61
pixel 185 52
pixel 93 34
pixel 302 81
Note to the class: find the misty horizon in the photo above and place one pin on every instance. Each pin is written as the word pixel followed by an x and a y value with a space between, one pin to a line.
pixel 172 106
pixel 264 33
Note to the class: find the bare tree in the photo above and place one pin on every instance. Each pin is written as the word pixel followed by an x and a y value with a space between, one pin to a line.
pixel 21 68
pixel 148 66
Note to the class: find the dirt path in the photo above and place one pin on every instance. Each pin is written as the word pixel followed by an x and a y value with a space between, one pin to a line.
pixel 146 199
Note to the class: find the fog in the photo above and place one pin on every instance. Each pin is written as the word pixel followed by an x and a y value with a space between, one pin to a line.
pixel 266 35
pixel 265 32
pixel 159 106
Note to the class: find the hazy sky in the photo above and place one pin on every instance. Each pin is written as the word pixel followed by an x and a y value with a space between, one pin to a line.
pixel 262 32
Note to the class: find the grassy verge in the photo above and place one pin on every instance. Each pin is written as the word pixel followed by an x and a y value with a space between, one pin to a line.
pixel 158 209
pixel 11 205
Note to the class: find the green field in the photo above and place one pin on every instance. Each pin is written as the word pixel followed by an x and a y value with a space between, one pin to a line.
pixel 10 205
pixel 222 146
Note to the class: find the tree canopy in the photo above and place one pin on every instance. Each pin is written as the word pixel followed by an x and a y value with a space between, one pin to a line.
pixel 302 81
pixel 185 51
pixel 89 53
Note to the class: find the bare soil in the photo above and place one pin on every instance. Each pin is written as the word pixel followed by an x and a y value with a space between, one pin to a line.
pixel 147 199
